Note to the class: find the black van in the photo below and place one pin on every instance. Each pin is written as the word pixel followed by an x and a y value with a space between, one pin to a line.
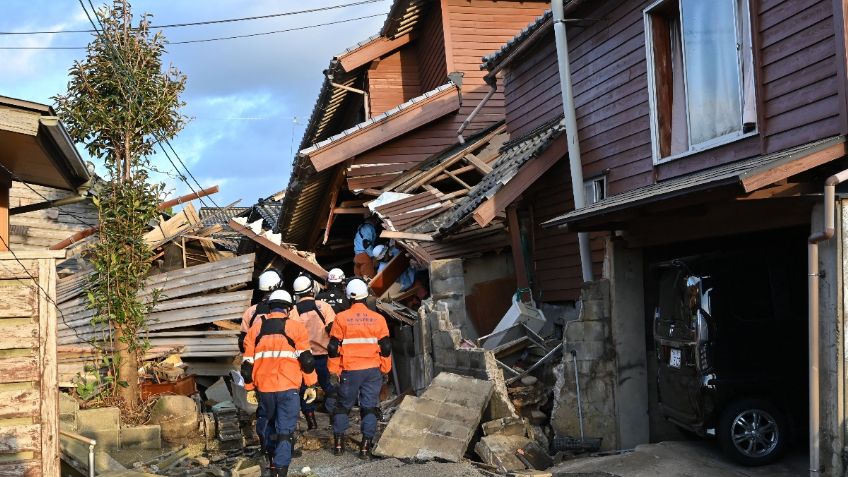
pixel 730 341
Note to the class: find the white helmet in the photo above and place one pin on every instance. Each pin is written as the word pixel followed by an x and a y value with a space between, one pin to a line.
pixel 270 280
pixel 379 252
pixel 357 289
pixel 336 275
pixel 280 296
pixel 303 285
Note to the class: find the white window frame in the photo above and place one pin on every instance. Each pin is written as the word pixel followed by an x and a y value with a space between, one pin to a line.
pixel 592 181
pixel 652 93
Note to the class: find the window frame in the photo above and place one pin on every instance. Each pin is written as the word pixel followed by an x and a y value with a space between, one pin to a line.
pixel 594 180
pixel 647 15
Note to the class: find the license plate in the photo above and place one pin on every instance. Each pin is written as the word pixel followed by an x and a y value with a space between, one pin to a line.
pixel 674 358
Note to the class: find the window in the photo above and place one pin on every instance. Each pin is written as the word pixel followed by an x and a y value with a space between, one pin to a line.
pixel 595 189
pixel 700 74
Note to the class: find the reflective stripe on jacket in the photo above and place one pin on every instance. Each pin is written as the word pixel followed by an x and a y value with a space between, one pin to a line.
pixel 275 363
pixel 359 331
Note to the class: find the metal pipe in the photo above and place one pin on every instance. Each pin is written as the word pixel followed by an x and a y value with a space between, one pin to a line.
pixel 575 163
pixel 493 85
pixel 85 440
pixel 47 204
pixel 813 277
pixel 188 197
pixel 366 101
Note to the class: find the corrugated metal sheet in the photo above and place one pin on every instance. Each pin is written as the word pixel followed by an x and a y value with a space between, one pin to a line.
pixel 717 176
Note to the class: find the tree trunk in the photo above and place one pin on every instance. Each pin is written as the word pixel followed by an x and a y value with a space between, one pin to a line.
pixel 127 371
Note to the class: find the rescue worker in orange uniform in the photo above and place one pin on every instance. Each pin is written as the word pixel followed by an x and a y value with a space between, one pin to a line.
pixel 269 281
pixel 277 361
pixel 360 357
pixel 317 317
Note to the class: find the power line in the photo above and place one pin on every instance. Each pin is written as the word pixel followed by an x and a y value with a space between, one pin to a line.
pixel 207 40
pixel 208 22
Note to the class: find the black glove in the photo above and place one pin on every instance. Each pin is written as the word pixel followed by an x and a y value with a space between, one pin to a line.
pixel 334 380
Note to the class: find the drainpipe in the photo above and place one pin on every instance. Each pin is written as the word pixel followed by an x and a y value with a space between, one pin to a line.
pixel 82 194
pixel 574 161
pixel 493 87
pixel 813 313
pixel 366 100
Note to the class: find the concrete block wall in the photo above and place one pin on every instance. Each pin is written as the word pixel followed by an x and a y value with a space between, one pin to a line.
pixel 447 285
pixel 591 338
pixel 449 355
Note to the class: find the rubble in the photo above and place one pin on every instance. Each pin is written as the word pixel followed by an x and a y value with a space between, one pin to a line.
pixel 438 425
pixel 511 453
pixel 177 415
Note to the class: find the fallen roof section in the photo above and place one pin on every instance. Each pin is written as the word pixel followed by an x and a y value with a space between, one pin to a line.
pixel 753 171
pixel 380 129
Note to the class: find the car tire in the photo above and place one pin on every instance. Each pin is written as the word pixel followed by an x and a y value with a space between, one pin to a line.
pixel 753 432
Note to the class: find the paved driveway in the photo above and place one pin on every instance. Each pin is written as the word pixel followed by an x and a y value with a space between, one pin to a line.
pixel 678 459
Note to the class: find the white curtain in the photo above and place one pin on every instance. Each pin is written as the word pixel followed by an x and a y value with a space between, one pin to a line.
pixel 712 68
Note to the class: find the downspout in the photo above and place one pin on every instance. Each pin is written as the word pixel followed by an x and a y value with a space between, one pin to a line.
pixel 574 160
pixel 493 87
pixel 82 194
pixel 813 314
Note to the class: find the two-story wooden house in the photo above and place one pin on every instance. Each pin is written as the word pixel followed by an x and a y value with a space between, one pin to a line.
pixel 705 128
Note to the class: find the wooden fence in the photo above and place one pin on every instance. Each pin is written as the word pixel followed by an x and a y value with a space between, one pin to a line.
pixel 29 400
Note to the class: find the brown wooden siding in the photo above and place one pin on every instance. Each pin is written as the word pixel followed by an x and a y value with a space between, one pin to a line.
pixel 478 28
pixel 555 263
pixel 430 49
pixel 393 80
pixel 794 44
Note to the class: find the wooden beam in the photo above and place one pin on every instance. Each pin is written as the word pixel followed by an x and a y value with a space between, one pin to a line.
pixel 286 253
pixel 371 51
pixel 519 261
pixel 391 234
pixel 331 215
pixel 780 191
pixel 379 132
pixel 352 210
pixel 480 165
pixel 4 215
pixel 758 179
pixel 187 197
pixel 525 177
pixel 380 283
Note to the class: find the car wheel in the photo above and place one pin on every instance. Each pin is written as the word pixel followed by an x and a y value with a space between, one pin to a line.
pixel 753 432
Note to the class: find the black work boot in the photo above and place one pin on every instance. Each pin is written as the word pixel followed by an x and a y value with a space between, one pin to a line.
pixel 338 444
pixel 282 471
pixel 311 423
pixel 365 448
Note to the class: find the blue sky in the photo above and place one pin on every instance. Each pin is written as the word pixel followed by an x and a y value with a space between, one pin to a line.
pixel 243 95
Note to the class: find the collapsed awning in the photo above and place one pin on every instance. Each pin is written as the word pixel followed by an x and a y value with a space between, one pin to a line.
pixel 748 175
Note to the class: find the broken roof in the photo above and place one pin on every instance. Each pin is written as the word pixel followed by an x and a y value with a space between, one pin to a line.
pixel 735 173
pixel 418 102
pixel 512 157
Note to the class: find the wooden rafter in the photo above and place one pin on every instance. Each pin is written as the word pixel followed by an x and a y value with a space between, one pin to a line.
pixel 757 179
pixel 289 254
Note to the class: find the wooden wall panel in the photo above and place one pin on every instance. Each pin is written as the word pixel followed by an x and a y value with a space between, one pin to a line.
pixel 555 263
pixel 478 28
pixel 40 229
pixel 430 50
pixel 29 399
pixel 393 80
pixel 794 44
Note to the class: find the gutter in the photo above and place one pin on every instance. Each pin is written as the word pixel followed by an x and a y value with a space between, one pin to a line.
pixel 492 81
pixel 813 279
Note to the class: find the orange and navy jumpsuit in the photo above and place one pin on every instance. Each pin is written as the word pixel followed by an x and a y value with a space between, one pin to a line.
pixel 360 353
pixel 277 359
pixel 250 316
pixel 317 317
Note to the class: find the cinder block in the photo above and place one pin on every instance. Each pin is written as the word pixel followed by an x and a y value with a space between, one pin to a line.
pixel 105 418
pixel 509 426
pixel 107 439
pixel 452 286
pixel 141 437
pixel 441 269
pixel 587 350
pixel 67 404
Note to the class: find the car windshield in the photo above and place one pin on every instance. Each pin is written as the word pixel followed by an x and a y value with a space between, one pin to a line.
pixel 678 298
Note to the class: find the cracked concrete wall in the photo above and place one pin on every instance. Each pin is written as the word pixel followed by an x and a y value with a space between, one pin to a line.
pixel 447 285
pixel 591 338
pixel 449 355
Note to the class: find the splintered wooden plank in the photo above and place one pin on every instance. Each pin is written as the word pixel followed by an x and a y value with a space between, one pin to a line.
pixel 11 269
pixel 19 369
pixel 20 438
pixel 18 298
pixel 49 370
pixel 284 252
pixel 389 275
